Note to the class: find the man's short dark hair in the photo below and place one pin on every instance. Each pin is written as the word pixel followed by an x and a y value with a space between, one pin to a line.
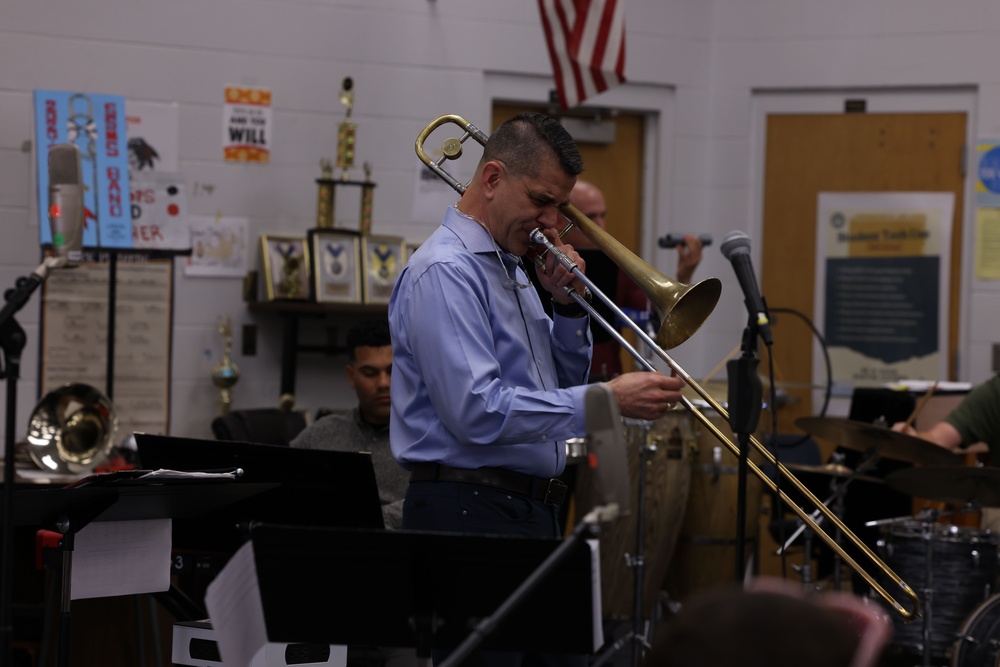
pixel 373 332
pixel 525 140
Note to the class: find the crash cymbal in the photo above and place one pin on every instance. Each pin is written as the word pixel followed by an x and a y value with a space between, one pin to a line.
pixel 949 484
pixel 862 437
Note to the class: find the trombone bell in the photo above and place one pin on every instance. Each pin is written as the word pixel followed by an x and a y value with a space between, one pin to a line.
pixel 682 308
pixel 690 307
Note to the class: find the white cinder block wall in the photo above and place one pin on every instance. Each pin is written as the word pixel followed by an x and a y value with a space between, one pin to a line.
pixel 699 68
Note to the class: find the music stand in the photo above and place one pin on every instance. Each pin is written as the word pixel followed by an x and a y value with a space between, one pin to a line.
pixel 69 510
pixel 317 487
pixel 414 588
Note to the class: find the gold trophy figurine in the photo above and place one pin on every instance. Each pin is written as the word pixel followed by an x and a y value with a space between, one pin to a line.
pixel 346 129
pixel 225 374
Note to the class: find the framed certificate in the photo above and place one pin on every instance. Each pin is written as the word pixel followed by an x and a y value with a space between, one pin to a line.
pixel 285 265
pixel 384 257
pixel 336 262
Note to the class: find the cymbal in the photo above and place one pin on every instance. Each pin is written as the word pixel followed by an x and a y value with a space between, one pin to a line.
pixel 949 484
pixel 861 436
pixel 832 470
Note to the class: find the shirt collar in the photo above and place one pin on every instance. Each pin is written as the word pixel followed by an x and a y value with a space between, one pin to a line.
pixel 473 237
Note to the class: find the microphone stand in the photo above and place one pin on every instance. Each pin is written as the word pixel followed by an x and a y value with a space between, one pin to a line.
pixel 745 396
pixel 12 341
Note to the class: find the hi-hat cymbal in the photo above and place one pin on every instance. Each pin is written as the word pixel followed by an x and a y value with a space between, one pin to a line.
pixel 861 436
pixel 949 484
pixel 832 470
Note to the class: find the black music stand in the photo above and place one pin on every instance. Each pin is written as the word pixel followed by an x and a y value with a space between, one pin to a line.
pixel 420 589
pixel 68 510
pixel 317 487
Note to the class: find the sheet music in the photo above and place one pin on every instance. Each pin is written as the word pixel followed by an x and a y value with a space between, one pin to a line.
pixel 75 336
pixel 235 609
pixel 121 558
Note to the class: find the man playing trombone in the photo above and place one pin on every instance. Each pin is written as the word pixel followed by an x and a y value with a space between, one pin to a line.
pixel 485 387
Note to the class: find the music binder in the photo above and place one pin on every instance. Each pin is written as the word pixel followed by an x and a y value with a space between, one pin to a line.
pixel 401 588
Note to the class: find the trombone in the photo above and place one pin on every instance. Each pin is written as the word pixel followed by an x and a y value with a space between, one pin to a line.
pixel 682 309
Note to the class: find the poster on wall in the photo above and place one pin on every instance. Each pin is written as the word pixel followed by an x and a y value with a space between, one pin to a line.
pixel 219 247
pixel 246 125
pixel 74 343
pixel 988 209
pixel 96 125
pixel 882 269
pixel 159 200
pixel 153 136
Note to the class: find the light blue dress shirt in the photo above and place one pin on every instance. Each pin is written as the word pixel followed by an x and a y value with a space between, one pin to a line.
pixel 481 376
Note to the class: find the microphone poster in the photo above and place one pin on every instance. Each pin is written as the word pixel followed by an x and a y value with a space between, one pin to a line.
pixel 96 125
pixel 881 295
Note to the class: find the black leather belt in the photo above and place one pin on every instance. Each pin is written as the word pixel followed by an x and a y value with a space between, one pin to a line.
pixel 549 491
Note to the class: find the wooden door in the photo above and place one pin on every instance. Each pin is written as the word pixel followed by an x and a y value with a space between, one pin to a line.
pixel 811 153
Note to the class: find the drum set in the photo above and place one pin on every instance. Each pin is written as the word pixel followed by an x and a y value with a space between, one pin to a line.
pixel 680 537
pixel 953 568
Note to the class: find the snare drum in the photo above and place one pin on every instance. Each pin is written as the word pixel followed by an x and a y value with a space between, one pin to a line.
pixel 956 565
pixel 669 442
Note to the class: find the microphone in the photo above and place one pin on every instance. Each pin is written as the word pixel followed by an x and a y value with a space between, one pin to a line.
pixel 606 451
pixel 671 241
pixel 736 248
pixel 66 203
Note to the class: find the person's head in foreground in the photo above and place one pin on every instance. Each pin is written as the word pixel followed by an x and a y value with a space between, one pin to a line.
pixel 772 624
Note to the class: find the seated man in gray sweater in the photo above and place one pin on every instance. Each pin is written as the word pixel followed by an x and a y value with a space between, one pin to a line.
pixel 366 427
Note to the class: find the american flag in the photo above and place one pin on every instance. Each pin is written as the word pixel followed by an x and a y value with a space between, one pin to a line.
pixel 586 40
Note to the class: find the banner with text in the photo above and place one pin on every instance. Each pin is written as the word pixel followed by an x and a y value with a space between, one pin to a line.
pixel 881 299
pixel 96 124
pixel 246 125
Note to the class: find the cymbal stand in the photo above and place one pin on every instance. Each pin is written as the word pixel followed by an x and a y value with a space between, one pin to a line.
pixel 837 498
pixel 638 636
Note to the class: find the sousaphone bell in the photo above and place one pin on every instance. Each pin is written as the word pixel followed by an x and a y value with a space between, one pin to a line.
pixel 71 430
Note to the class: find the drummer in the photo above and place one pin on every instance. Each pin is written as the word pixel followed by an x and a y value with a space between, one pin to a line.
pixel 973 427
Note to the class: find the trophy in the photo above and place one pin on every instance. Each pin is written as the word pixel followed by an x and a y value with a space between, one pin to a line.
pixel 326 196
pixel 225 374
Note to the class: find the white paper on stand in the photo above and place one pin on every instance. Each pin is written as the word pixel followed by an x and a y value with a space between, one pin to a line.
pixel 121 558
pixel 235 609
